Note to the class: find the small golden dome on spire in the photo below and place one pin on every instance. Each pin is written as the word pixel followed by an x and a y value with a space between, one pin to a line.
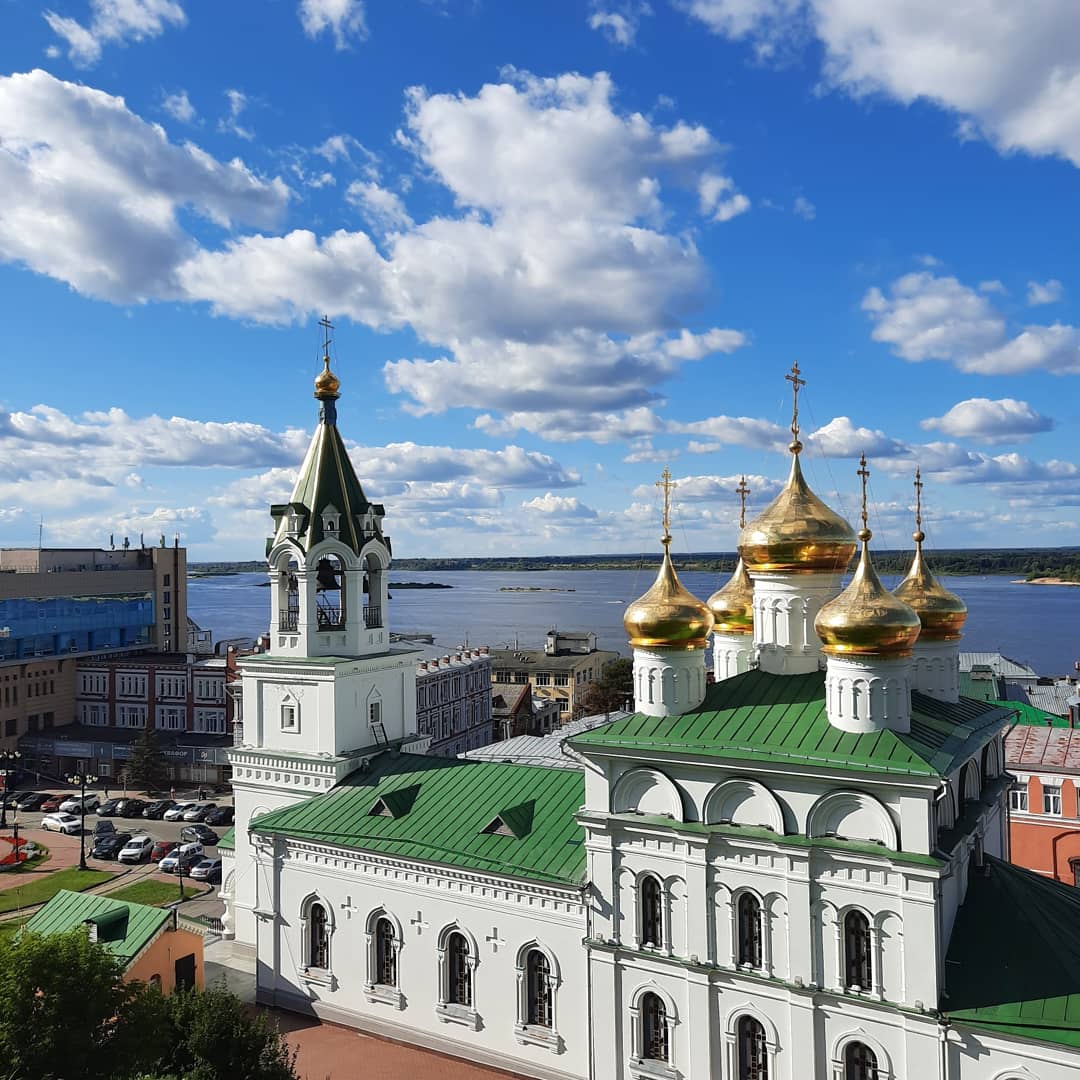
pixel 866 619
pixel 732 605
pixel 941 613
pixel 797 532
pixel 668 616
pixel 327 383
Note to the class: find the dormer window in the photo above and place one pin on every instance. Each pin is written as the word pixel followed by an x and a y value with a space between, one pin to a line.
pixel 294 524
pixel 331 519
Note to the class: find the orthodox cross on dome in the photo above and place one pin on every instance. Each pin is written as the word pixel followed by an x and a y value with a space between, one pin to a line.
pixel 742 491
pixel 796 385
pixel 864 474
pixel 327 326
pixel 669 486
pixel 919 535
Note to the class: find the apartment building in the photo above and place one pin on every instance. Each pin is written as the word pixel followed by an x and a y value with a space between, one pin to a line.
pixel 453 700
pixel 59 605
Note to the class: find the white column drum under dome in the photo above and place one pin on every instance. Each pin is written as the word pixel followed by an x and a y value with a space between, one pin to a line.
pixel 732 654
pixel 785 607
pixel 935 669
pixel 868 693
pixel 668 682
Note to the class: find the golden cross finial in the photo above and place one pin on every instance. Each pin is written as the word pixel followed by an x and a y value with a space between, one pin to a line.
pixel 864 473
pixel 918 497
pixel 669 486
pixel 742 491
pixel 796 385
pixel 327 326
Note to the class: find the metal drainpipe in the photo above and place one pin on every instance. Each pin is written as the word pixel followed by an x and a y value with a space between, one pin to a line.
pixel 943 1037
pixel 587 901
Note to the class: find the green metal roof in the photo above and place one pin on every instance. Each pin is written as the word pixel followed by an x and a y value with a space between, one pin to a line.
pixel 981 689
pixel 228 840
pixel 445 805
pixel 781 719
pixel 1013 964
pixel 125 929
pixel 1031 716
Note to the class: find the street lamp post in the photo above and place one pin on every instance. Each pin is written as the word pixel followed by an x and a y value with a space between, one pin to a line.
pixel 8 759
pixel 82 780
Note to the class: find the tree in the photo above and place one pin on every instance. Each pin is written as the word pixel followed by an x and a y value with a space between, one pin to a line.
pixel 148 768
pixel 612 690
pixel 63 1008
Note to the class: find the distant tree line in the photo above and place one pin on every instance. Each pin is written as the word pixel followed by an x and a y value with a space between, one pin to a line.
pixel 1020 562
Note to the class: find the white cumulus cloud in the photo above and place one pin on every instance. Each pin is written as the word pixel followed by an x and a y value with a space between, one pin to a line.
pixel 114 22
pixel 344 19
pixel 1046 292
pixel 984 420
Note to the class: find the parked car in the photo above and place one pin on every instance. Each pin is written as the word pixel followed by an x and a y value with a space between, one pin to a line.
pixel 199 811
pixel 108 807
pixel 136 849
pixel 52 802
pixel 223 815
pixel 162 848
pixel 131 808
pixel 31 800
pixel 75 804
pixel 208 870
pixel 110 845
pixel 186 855
pixel 156 810
pixel 103 828
pixel 202 834
pixel 65 823
pixel 178 811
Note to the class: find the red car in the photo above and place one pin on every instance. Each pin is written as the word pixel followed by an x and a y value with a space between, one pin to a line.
pixel 52 804
pixel 162 848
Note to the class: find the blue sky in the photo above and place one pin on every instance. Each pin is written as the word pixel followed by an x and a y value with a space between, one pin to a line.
pixel 563 244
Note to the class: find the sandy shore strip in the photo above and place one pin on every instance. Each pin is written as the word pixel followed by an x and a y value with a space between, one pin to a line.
pixel 1044 581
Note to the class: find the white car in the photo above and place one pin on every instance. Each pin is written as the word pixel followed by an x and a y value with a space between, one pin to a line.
pixel 65 823
pixel 178 811
pixel 136 849
pixel 186 855
pixel 74 805
pixel 196 811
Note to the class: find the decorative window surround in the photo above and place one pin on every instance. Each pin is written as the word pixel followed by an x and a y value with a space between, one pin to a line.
pixel 458 1014
pixel 647 1069
pixel 387 995
pixel 534 1035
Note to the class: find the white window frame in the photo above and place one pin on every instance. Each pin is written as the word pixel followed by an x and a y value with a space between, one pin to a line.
pixel 1018 795
pixel 447 1012
pixel 1052 799
pixel 534 1034
pixel 289 715
pixel 377 992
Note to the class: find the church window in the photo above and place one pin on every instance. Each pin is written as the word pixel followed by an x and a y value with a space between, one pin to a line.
pixel 1018 797
pixel 538 975
pixel 858 967
pixel 1051 799
pixel 753 1050
pixel 654 1029
pixel 1074 867
pixel 385 953
pixel 460 990
pixel 652 912
pixel 860 1062
pixel 749 931
pixel 375 713
pixel 290 716
pixel 318 938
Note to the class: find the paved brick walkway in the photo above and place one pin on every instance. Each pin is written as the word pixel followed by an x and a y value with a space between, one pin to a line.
pixel 63 852
pixel 330 1052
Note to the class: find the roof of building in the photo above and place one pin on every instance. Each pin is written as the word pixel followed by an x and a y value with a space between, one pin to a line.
pixel 1038 748
pixel 538 660
pixel 1028 983
pixel 125 929
pixel 999 664
pixel 782 719
pixel 228 840
pixel 1023 713
pixel 543 750
pixel 1053 698
pixel 450 804
pixel 981 687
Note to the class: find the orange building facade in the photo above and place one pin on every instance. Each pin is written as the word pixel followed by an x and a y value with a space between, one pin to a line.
pixel 173 959
pixel 1044 823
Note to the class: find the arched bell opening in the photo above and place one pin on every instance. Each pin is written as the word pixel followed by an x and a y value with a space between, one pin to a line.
pixel 288 594
pixel 330 601
pixel 374 593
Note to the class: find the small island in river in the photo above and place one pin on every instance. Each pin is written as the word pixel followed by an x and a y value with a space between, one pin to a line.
pixel 533 588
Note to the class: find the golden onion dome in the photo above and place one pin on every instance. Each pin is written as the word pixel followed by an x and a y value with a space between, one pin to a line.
pixel 327 383
pixel 668 616
pixel 797 532
pixel 942 613
pixel 732 605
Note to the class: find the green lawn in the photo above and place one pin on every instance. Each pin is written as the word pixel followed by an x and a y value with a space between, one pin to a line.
pixel 152 892
pixel 38 890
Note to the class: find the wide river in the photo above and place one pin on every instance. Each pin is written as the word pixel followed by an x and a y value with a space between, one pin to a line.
pixel 1039 624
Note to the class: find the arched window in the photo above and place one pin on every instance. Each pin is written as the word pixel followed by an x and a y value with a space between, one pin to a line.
pixel 753 1051
pixel 459 987
pixel 654 1029
pixel 860 1062
pixel 385 953
pixel 858 965
pixel 652 912
pixel 749 931
pixel 318 938
pixel 538 975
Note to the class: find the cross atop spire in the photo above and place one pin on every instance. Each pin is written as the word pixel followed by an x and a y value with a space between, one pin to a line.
pixel 918 536
pixel 742 491
pixel 669 486
pixel 796 386
pixel 864 474
pixel 327 326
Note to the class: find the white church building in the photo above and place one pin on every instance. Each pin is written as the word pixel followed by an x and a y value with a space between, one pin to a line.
pixel 796 871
